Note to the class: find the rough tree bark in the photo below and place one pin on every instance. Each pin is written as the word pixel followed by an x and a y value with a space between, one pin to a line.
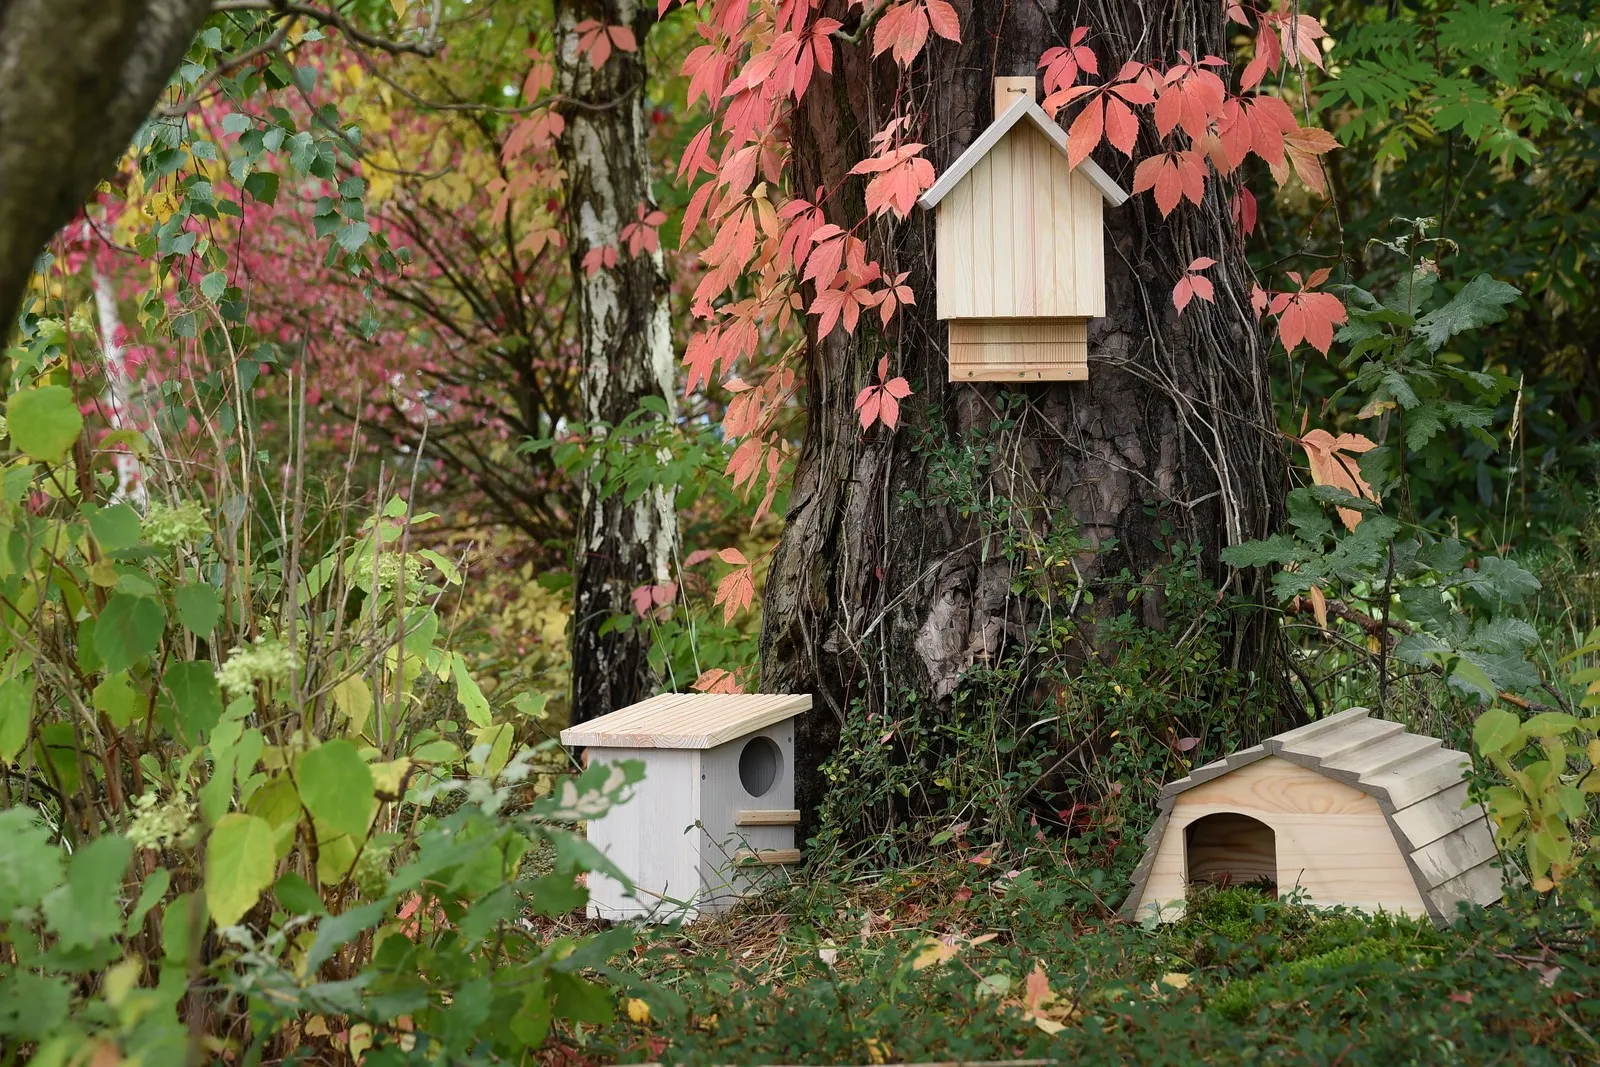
pixel 625 336
pixel 77 77
pixel 869 596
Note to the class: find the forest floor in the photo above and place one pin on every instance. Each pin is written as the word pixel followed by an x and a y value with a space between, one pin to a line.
pixel 977 962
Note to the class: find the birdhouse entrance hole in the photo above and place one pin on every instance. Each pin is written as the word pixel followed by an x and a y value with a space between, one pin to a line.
pixel 759 763
pixel 1230 849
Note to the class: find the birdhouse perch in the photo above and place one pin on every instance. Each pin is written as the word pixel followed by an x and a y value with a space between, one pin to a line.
pixel 1020 252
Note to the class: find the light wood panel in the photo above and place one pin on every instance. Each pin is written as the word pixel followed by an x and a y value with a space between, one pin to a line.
pixel 775 817
pixel 1428 820
pixel 1038 350
pixel 652 838
pixel 1021 236
pixel 686 720
pixel 723 831
pixel 767 857
pixel 1332 840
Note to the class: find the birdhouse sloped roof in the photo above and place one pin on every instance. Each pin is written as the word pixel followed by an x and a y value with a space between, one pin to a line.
pixel 1419 785
pixel 1025 109
pixel 687 720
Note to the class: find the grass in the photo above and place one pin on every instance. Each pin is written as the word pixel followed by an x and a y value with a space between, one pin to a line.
pixel 953 961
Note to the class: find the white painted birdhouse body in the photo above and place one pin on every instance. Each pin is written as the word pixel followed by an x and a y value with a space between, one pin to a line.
pixel 713 819
pixel 1020 260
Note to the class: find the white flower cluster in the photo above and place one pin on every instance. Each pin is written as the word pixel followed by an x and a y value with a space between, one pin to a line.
pixel 267 660
pixel 392 567
pixel 156 824
pixel 167 527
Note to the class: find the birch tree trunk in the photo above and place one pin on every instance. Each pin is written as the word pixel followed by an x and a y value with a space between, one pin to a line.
pixel 77 77
pixel 625 337
pixel 875 597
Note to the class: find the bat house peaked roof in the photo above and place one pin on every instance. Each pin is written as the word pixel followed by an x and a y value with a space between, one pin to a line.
pixel 1024 110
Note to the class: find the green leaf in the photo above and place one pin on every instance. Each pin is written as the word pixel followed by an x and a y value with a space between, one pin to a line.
pixel 213 285
pixel 296 896
pixel 239 865
pixel 198 607
pixel 1480 302
pixel 44 422
pixel 195 697
pixel 341 929
pixel 16 717
pixel 1275 549
pixel 354 236
pixel 579 1000
pixel 1550 724
pixel 30 865
pixel 1496 730
pixel 129 628
pixel 116 527
pixel 32 1006
pixel 155 887
pixel 262 186
pixel 116 697
pixel 467 691
pixel 336 786
pixel 183 923
pixel 88 907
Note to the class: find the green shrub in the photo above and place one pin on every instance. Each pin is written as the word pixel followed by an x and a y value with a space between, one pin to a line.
pixel 254 801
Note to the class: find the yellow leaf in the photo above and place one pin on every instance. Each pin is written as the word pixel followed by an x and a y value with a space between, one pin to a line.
pixel 354 699
pixel 399 7
pixel 360 1040
pixel 1049 1026
pixel 1543 885
pixel 877 1051
pixel 1176 980
pixel 933 953
pixel 638 1011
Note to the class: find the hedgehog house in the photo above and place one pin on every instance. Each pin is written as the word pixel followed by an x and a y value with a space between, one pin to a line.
pixel 1348 810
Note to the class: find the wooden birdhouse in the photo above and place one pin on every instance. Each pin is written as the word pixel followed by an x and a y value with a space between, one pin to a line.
pixel 1021 255
pixel 714 816
pixel 1348 810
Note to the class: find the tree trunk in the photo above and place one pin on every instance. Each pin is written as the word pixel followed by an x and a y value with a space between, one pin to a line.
pixel 625 335
pixel 77 77
pixel 875 595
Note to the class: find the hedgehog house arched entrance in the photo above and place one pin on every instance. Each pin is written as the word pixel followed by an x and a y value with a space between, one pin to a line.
pixel 1228 848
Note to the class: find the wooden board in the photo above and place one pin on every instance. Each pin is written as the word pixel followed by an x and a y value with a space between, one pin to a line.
pixel 1021 237
pixel 1012 350
pixel 724 834
pixel 686 720
pixel 767 857
pixel 1428 820
pixel 1331 840
pixel 775 817
pixel 652 838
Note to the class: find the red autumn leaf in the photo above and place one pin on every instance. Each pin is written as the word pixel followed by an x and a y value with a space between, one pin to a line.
pixel 942 17
pixel 1171 176
pixel 716 680
pixel 1332 461
pixel 1193 285
pixel 1062 65
pixel 1086 131
pixel 1267 57
pixel 732 556
pixel 902 30
pixel 882 401
pixel 1307 315
pixel 901 177
pixel 1244 211
pixel 735 592
pixel 1122 126
pixel 1305 145
pixel 1259 299
pixel 1299 33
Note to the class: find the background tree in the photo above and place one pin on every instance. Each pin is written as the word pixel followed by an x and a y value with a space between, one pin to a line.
pixel 77 77
pixel 886 586
pixel 624 335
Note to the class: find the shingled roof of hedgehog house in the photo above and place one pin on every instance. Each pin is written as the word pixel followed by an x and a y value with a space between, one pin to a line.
pixel 1419 785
